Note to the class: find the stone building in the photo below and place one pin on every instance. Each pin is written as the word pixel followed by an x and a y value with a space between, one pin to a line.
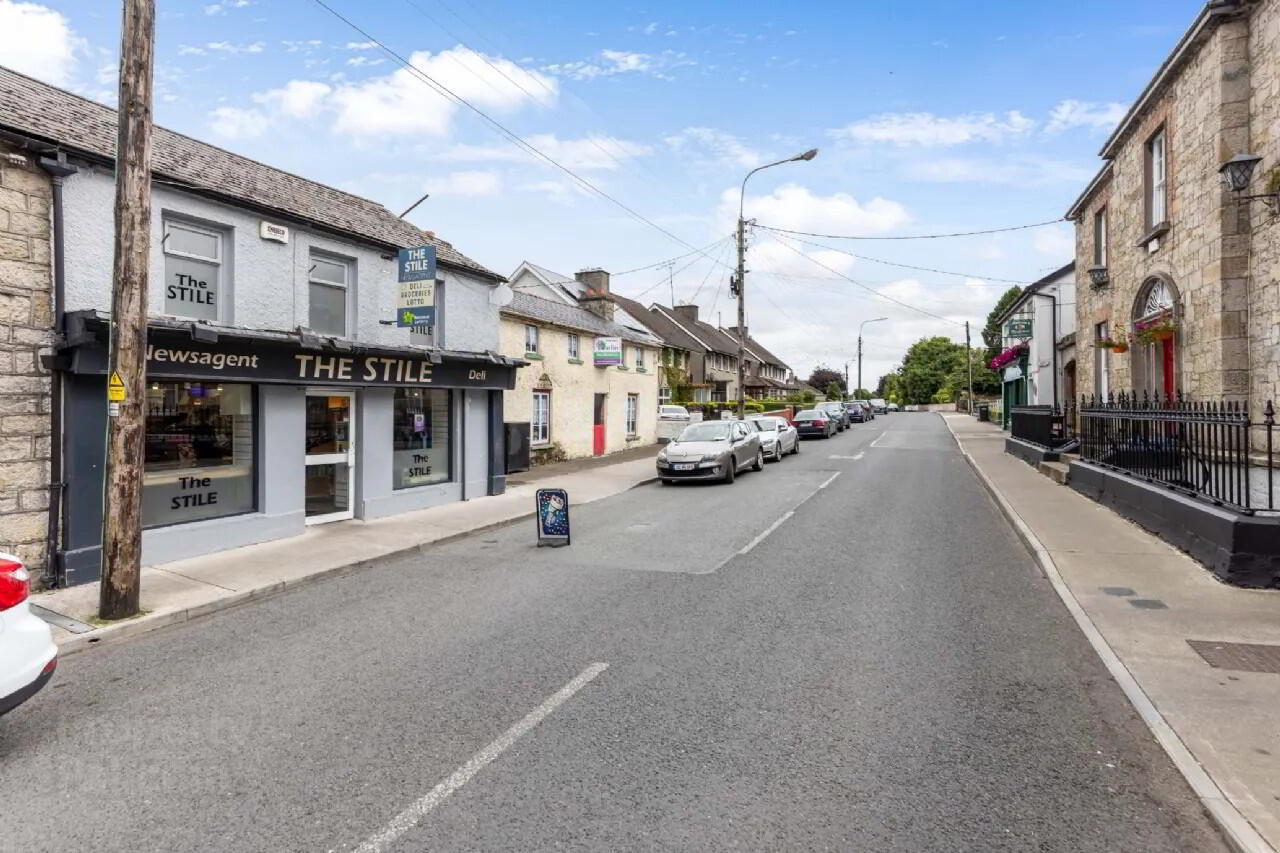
pixel 1160 240
pixel 26 322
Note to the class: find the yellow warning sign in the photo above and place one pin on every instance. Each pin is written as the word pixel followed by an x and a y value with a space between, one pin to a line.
pixel 115 389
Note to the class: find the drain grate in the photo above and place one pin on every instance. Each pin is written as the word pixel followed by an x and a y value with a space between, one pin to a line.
pixel 1245 657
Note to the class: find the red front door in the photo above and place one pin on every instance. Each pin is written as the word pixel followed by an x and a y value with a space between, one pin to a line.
pixel 1166 355
pixel 597 427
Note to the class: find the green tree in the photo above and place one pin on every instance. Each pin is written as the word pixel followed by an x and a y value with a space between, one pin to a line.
pixel 822 376
pixel 992 334
pixel 834 390
pixel 985 380
pixel 926 368
pixel 862 394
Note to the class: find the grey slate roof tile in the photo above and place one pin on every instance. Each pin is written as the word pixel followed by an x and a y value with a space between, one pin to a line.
pixel 572 317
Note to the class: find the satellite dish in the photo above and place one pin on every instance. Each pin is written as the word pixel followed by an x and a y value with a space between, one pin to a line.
pixel 501 295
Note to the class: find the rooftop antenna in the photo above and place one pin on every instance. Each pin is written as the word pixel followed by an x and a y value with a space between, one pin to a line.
pixel 408 209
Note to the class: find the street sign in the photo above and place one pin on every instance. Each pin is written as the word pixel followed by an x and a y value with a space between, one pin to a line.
pixel 116 392
pixel 607 351
pixel 552 513
pixel 416 305
pixel 1020 328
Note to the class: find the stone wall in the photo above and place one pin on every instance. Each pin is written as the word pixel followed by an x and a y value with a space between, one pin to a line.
pixel 1264 279
pixel 26 322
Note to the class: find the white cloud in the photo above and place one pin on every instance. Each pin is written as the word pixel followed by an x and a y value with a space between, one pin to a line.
pixel 229 47
pixel 296 99
pixel 1070 114
pixel 191 50
pixel 359 61
pixel 1058 241
pixel 589 152
pixel 797 208
pixel 1019 170
pixel 221 7
pixel 610 62
pixel 39 41
pixel 476 183
pixel 723 148
pixel 237 123
pixel 361 45
pixel 929 130
pixel 563 192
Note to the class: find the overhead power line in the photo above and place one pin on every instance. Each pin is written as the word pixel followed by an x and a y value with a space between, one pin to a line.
pixel 517 140
pixel 663 281
pixel 705 248
pixel 891 263
pixel 917 236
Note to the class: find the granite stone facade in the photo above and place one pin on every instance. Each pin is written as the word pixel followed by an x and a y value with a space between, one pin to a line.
pixel 1217 96
pixel 26 322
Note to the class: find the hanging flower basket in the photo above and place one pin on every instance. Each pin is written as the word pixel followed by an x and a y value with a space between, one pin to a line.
pixel 1119 343
pixel 1157 329
pixel 1104 343
pixel 1009 355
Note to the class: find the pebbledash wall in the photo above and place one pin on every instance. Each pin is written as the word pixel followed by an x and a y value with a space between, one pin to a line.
pixel 1218 96
pixel 268 289
pixel 26 287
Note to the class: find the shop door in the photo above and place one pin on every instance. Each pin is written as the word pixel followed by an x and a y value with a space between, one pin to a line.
pixel 330 455
pixel 597 425
pixel 1166 365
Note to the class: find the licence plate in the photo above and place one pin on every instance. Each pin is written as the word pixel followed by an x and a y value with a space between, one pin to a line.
pixel 683 466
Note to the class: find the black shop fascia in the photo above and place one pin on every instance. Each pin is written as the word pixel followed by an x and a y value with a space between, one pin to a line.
pixel 182 349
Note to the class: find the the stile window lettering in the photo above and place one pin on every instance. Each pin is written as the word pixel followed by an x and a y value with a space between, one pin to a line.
pixel 420 437
pixel 192 271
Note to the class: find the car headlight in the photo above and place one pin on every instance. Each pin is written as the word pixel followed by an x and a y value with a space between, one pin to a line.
pixel 662 456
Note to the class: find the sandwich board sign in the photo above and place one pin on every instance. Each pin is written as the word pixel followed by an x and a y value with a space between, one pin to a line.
pixel 552 513
pixel 416 305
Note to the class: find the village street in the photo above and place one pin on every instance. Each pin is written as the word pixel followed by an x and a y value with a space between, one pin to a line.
pixel 886 669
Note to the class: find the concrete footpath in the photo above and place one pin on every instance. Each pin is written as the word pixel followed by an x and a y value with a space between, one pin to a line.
pixel 1142 604
pixel 184 589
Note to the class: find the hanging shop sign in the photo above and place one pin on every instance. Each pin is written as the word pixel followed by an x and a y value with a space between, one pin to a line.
pixel 607 351
pixel 1020 328
pixel 553 516
pixel 416 305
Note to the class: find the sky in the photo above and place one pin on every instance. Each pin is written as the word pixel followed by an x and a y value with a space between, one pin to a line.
pixel 930 117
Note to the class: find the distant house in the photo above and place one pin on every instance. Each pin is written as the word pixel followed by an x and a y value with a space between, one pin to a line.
pixel 714 362
pixel 678 373
pixel 1043 318
pixel 767 376
pixel 580 396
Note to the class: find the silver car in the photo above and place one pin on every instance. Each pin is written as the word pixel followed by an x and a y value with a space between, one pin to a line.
pixel 711 450
pixel 778 437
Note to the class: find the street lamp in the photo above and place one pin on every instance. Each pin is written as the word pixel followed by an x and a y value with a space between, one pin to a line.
pixel 864 322
pixel 1236 174
pixel 737 285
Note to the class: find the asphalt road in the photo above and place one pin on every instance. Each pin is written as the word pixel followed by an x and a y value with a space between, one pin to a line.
pixel 884 671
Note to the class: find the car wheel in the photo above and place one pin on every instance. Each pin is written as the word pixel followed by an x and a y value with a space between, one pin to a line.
pixel 795 448
pixel 758 465
pixel 777 452
pixel 731 469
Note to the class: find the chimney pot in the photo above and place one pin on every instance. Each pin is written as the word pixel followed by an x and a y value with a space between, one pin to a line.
pixel 597 299
pixel 687 312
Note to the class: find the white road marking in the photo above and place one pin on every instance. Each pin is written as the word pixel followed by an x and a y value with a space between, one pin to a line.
pixel 837 456
pixel 746 549
pixel 419 809
pixel 859 456
pixel 827 482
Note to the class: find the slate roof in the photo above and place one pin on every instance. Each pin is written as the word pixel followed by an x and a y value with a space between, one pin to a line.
pixel 56 116
pixel 660 326
pixel 754 346
pixel 572 317
pixel 716 339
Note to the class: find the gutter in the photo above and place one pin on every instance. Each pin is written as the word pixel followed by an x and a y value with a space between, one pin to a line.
pixel 1104 175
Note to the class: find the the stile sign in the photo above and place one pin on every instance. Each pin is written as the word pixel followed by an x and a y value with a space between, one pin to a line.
pixel 1020 328
pixel 417 274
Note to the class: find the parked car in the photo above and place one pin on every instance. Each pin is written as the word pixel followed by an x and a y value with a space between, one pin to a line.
pixel 814 422
pixel 858 412
pixel 777 436
pixel 673 413
pixel 880 406
pixel 27 653
pixel 893 407
pixel 711 450
pixel 836 412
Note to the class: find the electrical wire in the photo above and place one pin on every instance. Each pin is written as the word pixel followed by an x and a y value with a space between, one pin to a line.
pixel 663 281
pixel 710 270
pixel 918 236
pixel 449 94
pixel 894 263
pixel 705 248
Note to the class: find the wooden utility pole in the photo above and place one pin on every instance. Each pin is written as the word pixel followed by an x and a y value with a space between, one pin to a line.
pixel 968 360
pixel 126 379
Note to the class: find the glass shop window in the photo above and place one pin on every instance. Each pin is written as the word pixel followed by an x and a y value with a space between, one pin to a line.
pixel 420 437
pixel 200 452
pixel 192 271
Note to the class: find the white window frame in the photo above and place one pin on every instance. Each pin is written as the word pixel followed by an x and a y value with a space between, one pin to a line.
pixel 664 396
pixel 531 338
pixel 1101 361
pixel 219 260
pixel 574 345
pixel 1100 237
pixel 346 288
pixel 540 428
pixel 632 412
pixel 639 358
pixel 1157 200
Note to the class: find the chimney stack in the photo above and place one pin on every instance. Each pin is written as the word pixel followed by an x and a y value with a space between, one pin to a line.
pixel 597 299
pixel 687 312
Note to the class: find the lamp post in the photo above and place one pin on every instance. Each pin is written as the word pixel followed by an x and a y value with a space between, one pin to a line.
pixel 1236 174
pixel 738 283
pixel 863 323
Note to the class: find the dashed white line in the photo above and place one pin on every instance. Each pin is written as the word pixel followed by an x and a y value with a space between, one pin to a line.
pixel 746 549
pixel 859 456
pixel 419 809
pixel 827 482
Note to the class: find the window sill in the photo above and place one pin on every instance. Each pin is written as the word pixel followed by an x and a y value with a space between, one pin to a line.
pixel 633 438
pixel 576 361
pixel 1156 232
pixel 533 356
pixel 623 367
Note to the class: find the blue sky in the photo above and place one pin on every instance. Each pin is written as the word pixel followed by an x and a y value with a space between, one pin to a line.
pixel 930 117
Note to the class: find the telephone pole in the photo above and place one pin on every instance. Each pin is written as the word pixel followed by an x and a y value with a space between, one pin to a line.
pixel 860 328
pixel 126 367
pixel 968 360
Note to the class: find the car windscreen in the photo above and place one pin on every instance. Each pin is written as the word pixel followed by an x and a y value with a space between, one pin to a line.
pixel 766 424
pixel 808 415
pixel 705 432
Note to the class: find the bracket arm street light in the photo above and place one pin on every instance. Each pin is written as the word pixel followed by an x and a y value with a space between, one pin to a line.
pixel 860 326
pixel 1236 175
pixel 742 272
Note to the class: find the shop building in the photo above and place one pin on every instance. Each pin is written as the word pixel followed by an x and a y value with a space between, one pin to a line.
pixel 1039 328
pixel 280 391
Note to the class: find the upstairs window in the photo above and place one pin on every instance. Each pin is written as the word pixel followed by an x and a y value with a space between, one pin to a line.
pixel 1157 170
pixel 329 286
pixel 639 358
pixel 1100 237
pixel 573 346
pixel 192 271
pixel 531 339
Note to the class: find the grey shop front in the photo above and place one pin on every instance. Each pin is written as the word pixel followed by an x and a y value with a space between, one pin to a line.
pixel 254 435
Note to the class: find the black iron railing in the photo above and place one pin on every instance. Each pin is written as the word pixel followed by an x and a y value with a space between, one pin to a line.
pixel 1208 449
pixel 1049 427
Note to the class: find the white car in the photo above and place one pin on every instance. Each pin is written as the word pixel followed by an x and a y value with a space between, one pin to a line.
pixel 673 413
pixel 27 653
pixel 778 437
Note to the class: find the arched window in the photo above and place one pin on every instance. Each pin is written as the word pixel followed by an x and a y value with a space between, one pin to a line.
pixel 1154 363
